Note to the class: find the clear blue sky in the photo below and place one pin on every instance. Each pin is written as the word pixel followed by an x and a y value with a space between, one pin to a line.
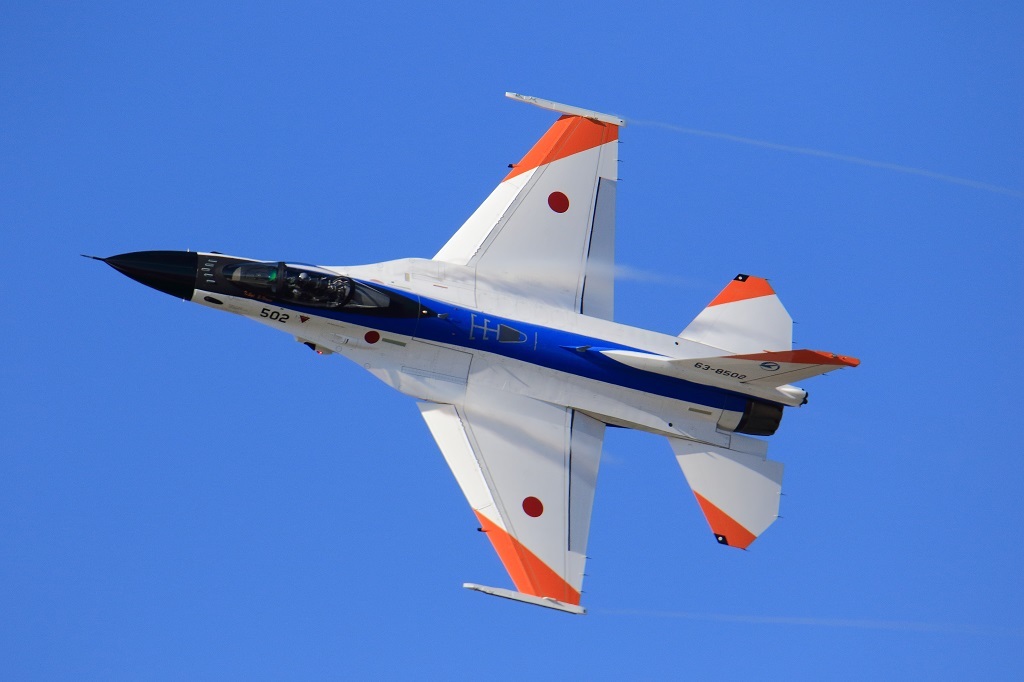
pixel 187 495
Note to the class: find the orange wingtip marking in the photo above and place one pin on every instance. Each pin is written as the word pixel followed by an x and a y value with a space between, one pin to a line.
pixel 529 574
pixel 804 357
pixel 725 528
pixel 742 288
pixel 569 135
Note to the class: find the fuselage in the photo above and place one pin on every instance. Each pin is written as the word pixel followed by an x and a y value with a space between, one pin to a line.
pixel 428 340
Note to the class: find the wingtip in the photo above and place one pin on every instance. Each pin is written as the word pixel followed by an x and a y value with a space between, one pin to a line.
pixel 568 109
pixel 547 602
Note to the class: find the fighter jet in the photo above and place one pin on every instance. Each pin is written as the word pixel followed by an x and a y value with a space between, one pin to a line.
pixel 506 339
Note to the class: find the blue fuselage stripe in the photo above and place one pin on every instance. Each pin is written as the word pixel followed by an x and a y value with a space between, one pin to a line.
pixel 554 349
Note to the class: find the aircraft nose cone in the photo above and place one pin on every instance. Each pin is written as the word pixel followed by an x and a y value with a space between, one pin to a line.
pixel 172 272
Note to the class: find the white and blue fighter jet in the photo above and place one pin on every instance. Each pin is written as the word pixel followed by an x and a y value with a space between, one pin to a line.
pixel 507 340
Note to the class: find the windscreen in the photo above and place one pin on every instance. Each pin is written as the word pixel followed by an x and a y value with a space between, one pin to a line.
pixel 317 288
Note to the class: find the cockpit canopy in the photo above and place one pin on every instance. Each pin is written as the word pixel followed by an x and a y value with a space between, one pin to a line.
pixel 307 286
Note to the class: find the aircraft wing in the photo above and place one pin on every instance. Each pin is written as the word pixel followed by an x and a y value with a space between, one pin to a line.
pixel 528 470
pixel 547 231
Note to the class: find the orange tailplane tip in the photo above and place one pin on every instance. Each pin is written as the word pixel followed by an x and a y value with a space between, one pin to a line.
pixel 741 288
pixel 804 357
pixel 726 529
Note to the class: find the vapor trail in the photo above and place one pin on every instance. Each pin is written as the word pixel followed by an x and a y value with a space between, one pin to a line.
pixel 862 624
pixel 807 151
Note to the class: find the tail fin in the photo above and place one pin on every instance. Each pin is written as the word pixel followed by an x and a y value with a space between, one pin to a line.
pixel 746 317
pixel 737 491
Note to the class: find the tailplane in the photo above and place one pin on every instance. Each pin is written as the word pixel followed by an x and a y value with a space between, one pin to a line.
pixel 737 491
pixel 746 317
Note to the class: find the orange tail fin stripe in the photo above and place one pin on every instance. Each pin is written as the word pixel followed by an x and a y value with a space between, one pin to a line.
pixel 724 526
pixel 569 135
pixel 529 574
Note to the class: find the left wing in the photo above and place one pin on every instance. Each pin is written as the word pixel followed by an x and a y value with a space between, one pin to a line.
pixel 528 470
pixel 547 231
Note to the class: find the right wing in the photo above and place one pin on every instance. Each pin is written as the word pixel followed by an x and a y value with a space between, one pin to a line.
pixel 547 231
pixel 528 470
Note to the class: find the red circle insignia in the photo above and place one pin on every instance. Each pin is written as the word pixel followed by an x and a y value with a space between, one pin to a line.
pixel 558 202
pixel 533 507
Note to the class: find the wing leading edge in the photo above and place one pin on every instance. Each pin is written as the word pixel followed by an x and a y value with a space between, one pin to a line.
pixel 528 469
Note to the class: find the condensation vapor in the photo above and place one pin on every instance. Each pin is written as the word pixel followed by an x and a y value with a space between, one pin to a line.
pixel 807 151
pixel 862 624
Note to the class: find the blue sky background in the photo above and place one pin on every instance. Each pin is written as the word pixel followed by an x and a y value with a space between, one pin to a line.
pixel 186 495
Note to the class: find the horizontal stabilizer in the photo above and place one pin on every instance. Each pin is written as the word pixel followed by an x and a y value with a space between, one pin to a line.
pixel 738 492
pixel 527 598
pixel 746 317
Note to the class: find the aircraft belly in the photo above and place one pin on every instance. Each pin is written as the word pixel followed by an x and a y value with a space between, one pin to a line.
pixel 422 370
pixel 433 372
pixel 438 372
pixel 608 403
